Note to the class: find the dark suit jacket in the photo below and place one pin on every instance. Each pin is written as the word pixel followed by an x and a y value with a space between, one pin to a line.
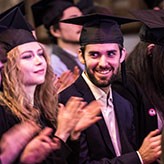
pixel 95 142
pixel 144 121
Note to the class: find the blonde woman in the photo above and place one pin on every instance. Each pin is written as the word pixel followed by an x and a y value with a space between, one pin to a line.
pixel 28 95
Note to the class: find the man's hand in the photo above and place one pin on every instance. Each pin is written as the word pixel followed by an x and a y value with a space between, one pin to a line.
pixel 150 150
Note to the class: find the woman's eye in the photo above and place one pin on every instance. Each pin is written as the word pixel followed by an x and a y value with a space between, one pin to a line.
pixel 40 54
pixel 26 56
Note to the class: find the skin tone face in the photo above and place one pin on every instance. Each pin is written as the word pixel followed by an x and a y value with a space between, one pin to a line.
pixel 102 62
pixel 70 32
pixel 32 63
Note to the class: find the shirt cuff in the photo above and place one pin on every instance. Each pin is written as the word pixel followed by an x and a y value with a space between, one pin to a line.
pixel 140 157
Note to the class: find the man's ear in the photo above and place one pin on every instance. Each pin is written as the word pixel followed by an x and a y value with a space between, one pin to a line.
pixel 123 55
pixel 150 48
pixel 54 32
pixel 81 57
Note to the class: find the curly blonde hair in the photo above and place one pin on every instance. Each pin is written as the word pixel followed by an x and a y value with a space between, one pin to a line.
pixel 14 96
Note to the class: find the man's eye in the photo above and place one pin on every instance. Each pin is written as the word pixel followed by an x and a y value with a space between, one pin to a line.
pixel 111 53
pixel 94 54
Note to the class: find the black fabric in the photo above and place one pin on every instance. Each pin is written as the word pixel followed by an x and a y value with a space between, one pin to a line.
pixel 95 142
pixel 47 11
pixel 144 122
pixel 14 19
pixel 86 6
pixel 100 28
pixel 66 58
pixel 20 5
pixel 151 18
pixel 14 30
pixel 11 38
pixel 152 30
pixel 152 3
pixel 154 35
pixel 8 120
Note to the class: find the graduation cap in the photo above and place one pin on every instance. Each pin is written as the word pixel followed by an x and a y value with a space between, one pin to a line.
pixel 152 29
pixel 14 31
pixel 20 5
pixel 100 28
pixel 48 12
pixel 86 6
pixel 152 3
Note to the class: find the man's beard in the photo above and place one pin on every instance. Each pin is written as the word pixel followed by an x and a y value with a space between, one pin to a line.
pixel 99 84
pixel 70 41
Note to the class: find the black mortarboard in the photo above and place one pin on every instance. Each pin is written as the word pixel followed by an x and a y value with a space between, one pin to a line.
pixel 20 5
pixel 14 30
pixel 100 28
pixel 152 3
pixel 86 6
pixel 48 12
pixel 153 25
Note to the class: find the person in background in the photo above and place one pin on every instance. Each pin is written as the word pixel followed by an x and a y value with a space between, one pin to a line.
pixel 65 37
pixel 28 95
pixel 144 75
pixel 155 4
pixel 111 139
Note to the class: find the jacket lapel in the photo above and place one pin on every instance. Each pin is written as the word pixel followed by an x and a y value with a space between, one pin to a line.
pixel 119 106
pixel 86 93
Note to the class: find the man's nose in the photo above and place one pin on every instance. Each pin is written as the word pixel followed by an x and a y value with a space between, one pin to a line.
pixel 103 61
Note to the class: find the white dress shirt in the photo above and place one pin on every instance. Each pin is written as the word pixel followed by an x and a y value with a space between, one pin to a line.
pixel 107 112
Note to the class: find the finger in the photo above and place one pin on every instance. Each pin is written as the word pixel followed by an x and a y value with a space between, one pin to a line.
pixel 93 121
pixel 60 107
pixel 155 143
pixel 46 131
pixel 153 133
pixel 44 139
pixel 73 102
pixel 55 144
pixel 76 72
pixel 93 108
pixel 157 148
pixel 65 75
pixel 156 138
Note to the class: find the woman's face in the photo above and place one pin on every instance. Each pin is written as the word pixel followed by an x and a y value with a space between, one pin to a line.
pixel 32 63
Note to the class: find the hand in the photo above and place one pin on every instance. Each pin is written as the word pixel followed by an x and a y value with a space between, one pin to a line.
pixel 68 117
pixel 40 147
pixel 15 139
pixel 66 79
pixel 88 118
pixel 150 150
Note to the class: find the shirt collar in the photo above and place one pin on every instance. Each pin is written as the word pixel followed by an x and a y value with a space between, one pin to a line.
pixel 97 92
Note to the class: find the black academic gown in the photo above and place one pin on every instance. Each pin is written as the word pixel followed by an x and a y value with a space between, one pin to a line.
pixel 145 112
pixel 95 142
pixel 8 120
